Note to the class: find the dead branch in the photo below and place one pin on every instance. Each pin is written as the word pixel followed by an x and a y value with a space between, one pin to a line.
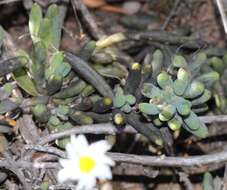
pixel 156 161
pixel 109 128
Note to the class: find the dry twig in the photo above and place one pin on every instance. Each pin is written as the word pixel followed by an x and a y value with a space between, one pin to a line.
pixel 109 128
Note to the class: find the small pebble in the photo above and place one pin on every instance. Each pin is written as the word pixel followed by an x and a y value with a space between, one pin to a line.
pixel 131 7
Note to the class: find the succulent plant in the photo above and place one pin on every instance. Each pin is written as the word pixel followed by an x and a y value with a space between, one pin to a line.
pixel 62 93
pixel 219 91
pixel 179 95
pixel 123 102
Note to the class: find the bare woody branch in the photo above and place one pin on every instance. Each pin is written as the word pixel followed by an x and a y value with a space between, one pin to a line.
pixel 156 161
pixel 109 128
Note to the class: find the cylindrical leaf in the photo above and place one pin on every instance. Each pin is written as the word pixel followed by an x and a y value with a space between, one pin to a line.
pixel 149 109
pixel 164 80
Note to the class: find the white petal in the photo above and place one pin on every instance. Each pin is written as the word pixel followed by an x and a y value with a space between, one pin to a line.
pixel 100 146
pixel 64 163
pixel 106 160
pixel 76 146
pixel 71 152
pixel 79 142
pixel 71 168
pixel 63 175
pixel 103 172
pixel 86 183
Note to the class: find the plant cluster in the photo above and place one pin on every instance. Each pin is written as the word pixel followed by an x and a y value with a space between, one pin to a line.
pixel 62 96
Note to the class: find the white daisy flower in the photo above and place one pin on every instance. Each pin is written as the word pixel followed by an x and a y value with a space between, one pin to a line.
pixel 85 163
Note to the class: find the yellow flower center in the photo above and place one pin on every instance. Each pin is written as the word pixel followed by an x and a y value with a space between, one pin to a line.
pixel 86 164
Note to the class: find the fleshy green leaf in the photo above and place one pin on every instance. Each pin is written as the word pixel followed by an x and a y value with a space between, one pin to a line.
pixel 81 118
pixel 209 78
pixel 194 90
pixel 201 132
pixel 175 123
pixel 54 121
pixel 71 90
pixel 193 122
pixel 23 56
pixel 23 80
pixel 180 86
pixel 57 66
pixel 119 101
pixel 217 64
pixel 54 84
pixel 198 61
pixel 196 126
pixel 157 62
pixel 35 20
pixel 62 109
pixel 202 99
pixel 179 61
pixel 149 109
pixel 167 112
pixel 54 17
pixel 182 74
pixel 126 108
pixel 184 108
pixel 164 80
pixel 45 32
pixel 151 91
pixel 130 99
pixel 163 118
pixel 39 53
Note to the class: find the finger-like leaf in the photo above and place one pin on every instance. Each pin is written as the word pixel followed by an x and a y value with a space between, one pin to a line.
pixel 110 40
pixel 193 122
pixel 175 123
pixel 201 130
pixel 71 90
pixel 167 112
pixel 53 120
pixel 81 118
pixel 201 109
pixel 54 17
pixel 157 62
pixel 183 74
pixel 151 91
pixel 54 84
pixel 194 90
pixel 35 20
pixel 41 113
pixel 57 66
pixel 164 80
pixel 23 80
pixel 179 61
pixel 130 99
pixel 184 108
pixel 119 101
pixel 149 109
pixel 197 62
pixel 126 108
pixel 217 64
pixel 203 99
pixel 180 86
pixel 208 79
pixel 45 32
